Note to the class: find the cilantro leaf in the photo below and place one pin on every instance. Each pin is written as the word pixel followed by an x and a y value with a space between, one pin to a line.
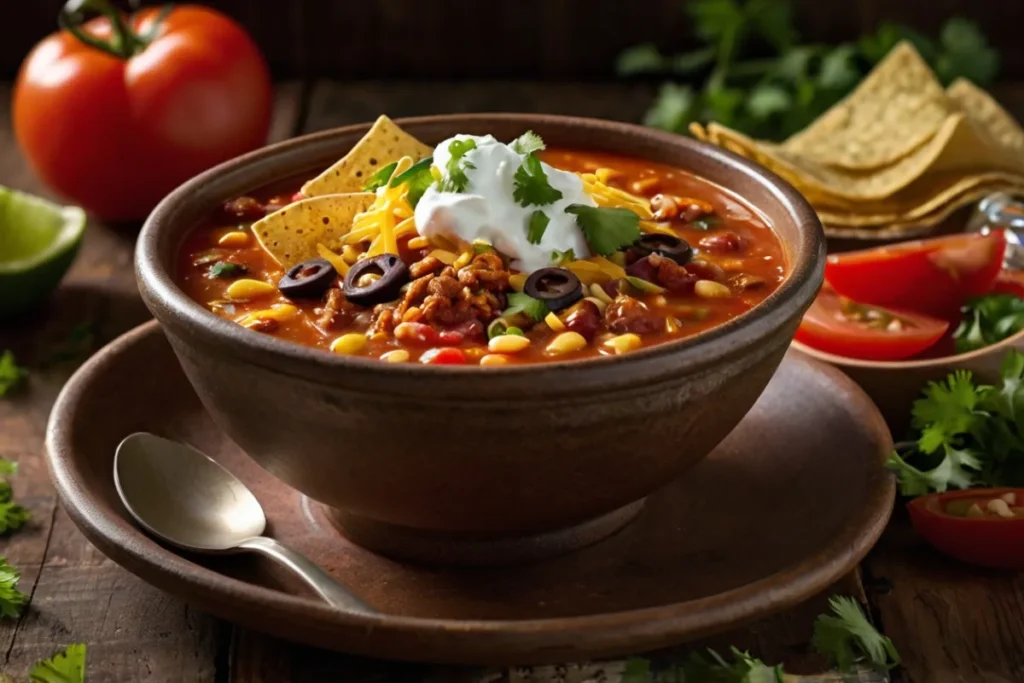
pixel 538 224
pixel 947 410
pixel 560 257
pixel 224 270
pixel 527 143
pixel 12 600
pixel 989 319
pixel 418 178
pixel 457 180
pixel 531 184
pixel 380 178
pixel 673 109
pixel 524 303
pixel 848 638
pixel 67 666
pixel 606 230
pixel 11 374
pixel 8 467
pixel 12 516
pixel 965 53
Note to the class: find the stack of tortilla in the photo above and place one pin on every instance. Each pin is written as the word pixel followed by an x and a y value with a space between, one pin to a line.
pixel 898 155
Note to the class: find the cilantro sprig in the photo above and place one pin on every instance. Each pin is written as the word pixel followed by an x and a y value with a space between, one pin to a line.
pixel 380 178
pixel 418 178
pixel 538 225
pixel 776 94
pixel 12 515
pixel 12 600
pixel 66 666
pixel 845 636
pixel 607 230
pixel 11 374
pixel 968 434
pixel 225 270
pixel 526 304
pixel 456 179
pixel 527 143
pixel 531 186
pixel 989 319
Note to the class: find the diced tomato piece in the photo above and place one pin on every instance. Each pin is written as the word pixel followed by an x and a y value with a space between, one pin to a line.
pixel 445 355
pixel 416 333
pixel 853 330
pixel 990 540
pixel 298 197
pixel 450 337
pixel 934 276
pixel 1009 282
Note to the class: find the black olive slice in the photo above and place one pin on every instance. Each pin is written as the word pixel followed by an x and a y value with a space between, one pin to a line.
pixel 557 287
pixel 308 280
pixel 669 246
pixel 392 272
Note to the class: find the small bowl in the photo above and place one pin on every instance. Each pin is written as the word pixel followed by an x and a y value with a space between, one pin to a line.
pixel 469 465
pixel 895 385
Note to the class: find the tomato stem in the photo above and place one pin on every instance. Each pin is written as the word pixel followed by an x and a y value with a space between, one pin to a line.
pixel 124 43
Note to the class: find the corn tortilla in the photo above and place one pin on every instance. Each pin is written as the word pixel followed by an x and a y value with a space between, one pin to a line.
pixel 383 143
pixel 291 234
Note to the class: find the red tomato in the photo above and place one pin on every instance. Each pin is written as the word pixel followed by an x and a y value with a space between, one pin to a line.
pixel 989 541
pixel 1009 282
pixel 443 356
pixel 117 133
pixel 866 332
pixel 934 276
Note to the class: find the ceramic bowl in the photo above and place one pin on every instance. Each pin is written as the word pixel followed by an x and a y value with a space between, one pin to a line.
pixel 895 385
pixel 424 461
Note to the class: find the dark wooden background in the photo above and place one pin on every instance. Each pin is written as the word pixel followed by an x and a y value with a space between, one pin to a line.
pixel 524 39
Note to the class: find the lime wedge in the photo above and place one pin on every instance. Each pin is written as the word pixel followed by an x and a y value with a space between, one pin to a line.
pixel 38 242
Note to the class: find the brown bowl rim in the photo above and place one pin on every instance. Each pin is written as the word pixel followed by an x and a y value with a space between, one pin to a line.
pixel 806 271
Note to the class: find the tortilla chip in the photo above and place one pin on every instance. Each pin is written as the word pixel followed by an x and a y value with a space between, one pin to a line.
pixel 383 143
pixel 893 112
pixel 981 108
pixel 291 234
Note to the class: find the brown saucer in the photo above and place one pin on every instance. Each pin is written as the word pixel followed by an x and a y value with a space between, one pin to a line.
pixel 786 505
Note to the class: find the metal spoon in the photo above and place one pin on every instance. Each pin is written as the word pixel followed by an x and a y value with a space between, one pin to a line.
pixel 187 499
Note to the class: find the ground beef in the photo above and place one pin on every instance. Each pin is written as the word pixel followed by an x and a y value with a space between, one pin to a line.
pixel 383 319
pixel 486 271
pixel 627 314
pixel 336 312
pixel 245 208
pixel 430 264
pixel 446 298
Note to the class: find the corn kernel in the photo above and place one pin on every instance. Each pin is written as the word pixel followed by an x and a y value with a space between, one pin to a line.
pixel 367 279
pixel 349 343
pixel 517 281
pixel 396 356
pixel 278 312
pixel 709 289
pixel 419 243
pixel 349 253
pixel 644 184
pixel 412 314
pixel 554 322
pixel 606 174
pixel 671 325
pixel 494 359
pixel 567 342
pixel 444 256
pixel 508 343
pixel 624 343
pixel 247 289
pixel 660 300
pixel 463 260
pixel 233 239
pixel 732 265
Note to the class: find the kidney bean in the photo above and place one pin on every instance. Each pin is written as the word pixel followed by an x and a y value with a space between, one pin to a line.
pixel 613 287
pixel 627 314
pixel 723 242
pixel 706 270
pixel 585 319
pixel 642 269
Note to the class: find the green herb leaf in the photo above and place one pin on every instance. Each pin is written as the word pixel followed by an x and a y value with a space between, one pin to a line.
pixel 673 109
pixel 225 270
pixel 524 303
pixel 766 100
pixel 8 467
pixel 989 319
pixel 606 229
pixel 418 178
pixel 538 224
pixel 380 178
pixel 457 180
pixel 11 374
pixel 12 600
pixel 527 143
pixel 67 666
pixel 839 69
pixel 848 638
pixel 965 54
pixel 640 59
pixel 531 186
pixel 561 257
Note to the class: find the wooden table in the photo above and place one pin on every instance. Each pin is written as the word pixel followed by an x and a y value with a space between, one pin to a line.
pixel 950 623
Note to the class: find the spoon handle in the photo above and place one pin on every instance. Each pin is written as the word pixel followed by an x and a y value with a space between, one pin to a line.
pixel 320 581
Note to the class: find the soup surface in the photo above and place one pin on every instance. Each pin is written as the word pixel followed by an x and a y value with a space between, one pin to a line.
pixel 454 294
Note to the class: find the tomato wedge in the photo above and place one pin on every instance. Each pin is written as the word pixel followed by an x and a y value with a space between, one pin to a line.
pixel 935 276
pixel 841 327
pixel 1009 282
pixel 946 521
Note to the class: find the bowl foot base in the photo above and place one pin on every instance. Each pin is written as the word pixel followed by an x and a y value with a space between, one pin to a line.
pixel 437 548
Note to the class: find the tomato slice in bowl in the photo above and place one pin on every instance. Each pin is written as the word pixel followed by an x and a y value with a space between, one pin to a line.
pixel 966 525
pixel 934 276
pixel 1009 282
pixel 839 326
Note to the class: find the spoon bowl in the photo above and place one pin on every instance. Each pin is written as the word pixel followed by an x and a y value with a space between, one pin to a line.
pixel 189 500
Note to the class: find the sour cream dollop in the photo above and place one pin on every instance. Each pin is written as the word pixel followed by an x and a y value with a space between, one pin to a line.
pixel 487 210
